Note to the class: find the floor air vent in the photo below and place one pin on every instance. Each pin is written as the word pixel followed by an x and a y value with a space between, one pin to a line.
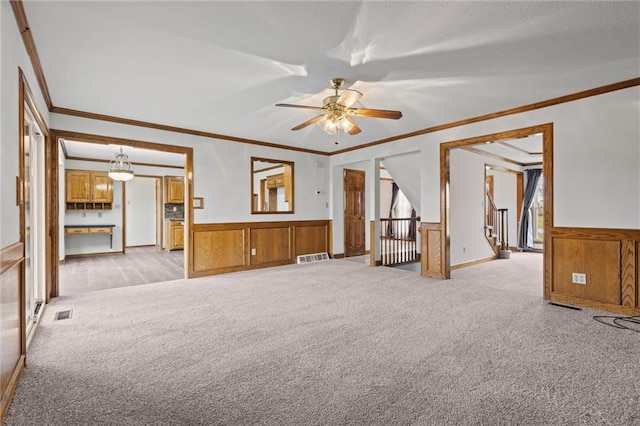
pixel 310 258
pixel 62 315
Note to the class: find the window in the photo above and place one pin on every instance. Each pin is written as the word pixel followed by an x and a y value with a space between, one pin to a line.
pixel 537 213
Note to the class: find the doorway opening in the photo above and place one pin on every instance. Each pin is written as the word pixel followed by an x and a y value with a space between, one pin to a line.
pixel 445 239
pixel 125 241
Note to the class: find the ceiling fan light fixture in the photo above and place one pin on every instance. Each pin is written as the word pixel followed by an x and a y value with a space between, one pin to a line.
pixel 328 124
pixel 344 124
pixel 120 168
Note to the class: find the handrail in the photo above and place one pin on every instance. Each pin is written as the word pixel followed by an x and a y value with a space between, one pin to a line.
pixel 497 225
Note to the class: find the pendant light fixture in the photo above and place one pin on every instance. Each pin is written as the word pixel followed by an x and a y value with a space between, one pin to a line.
pixel 120 168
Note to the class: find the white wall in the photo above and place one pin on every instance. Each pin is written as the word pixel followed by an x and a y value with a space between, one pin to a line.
pixel 467 207
pixel 13 55
pixel 140 199
pixel 596 159
pixel 222 171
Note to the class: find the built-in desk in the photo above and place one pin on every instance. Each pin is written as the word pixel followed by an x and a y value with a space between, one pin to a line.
pixel 90 229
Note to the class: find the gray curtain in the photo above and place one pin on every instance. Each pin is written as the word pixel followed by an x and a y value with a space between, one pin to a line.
pixel 394 199
pixel 525 233
pixel 412 225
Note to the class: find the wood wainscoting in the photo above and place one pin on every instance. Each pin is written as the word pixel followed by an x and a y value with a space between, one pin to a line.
pixel 610 258
pixel 218 248
pixel 433 258
pixel 12 350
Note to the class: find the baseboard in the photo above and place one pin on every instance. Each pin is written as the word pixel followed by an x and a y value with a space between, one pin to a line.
pixel 79 255
pixel 338 255
pixel 143 245
pixel 11 387
pixel 473 262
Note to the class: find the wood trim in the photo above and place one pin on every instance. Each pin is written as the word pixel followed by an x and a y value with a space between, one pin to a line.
pixel 473 262
pixel 111 140
pixel 188 174
pixel 157 126
pixel 628 274
pixel 594 233
pixel 577 301
pixel 433 260
pixel 30 46
pixel 11 256
pixel 95 160
pixel 104 253
pixel 339 256
pixel 11 387
pixel 547 170
pixel 445 148
pixel 227 247
pixel 618 290
pixel 518 110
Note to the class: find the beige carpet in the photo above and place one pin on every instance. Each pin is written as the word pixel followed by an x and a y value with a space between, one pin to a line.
pixel 139 265
pixel 335 343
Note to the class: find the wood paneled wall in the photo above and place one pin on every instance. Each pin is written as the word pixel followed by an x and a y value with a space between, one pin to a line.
pixel 227 247
pixel 13 346
pixel 610 259
pixel 432 257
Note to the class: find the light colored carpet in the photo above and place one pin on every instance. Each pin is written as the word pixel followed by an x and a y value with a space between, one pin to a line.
pixel 139 265
pixel 335 343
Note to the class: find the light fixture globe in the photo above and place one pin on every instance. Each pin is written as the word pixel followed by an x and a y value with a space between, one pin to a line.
pixel 120 168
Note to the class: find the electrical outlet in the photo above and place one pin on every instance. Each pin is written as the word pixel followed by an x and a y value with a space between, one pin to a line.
pixel 253 252
pixel 578 278
pixel 99 214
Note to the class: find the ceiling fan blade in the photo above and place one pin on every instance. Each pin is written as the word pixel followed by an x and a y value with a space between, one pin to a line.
pixel 298 106
pixel 355 129
pixel 348 97
pixel 376 113
pixel 309 122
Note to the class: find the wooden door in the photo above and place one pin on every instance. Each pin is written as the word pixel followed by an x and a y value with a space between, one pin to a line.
pixel 102 188
pixel 354 212
pixel 77 186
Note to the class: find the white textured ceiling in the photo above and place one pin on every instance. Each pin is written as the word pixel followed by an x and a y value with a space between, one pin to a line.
pixel 77 150
pixel 221 66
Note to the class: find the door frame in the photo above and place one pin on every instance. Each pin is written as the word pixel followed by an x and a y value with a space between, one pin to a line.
pixel 444 243
pixel 54 222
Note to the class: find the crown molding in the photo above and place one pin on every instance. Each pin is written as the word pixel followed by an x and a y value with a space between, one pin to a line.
pixel 23 26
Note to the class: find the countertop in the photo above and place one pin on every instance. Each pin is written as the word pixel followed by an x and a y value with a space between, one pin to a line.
pixel 90 226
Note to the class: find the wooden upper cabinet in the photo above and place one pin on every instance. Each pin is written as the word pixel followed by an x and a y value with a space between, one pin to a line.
pixel 88 187
pixel 77 186
pixel 174 189
pixel 101 188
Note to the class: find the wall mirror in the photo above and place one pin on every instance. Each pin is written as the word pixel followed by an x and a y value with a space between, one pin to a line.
pixel 271 186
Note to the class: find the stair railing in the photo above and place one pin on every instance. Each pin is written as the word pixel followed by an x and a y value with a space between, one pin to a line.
pixel 398 243
pixel 496 225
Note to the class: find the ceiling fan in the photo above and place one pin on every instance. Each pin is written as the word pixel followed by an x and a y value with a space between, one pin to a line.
pixel 337 111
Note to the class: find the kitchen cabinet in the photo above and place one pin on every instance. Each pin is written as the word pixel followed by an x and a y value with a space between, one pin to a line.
pixel 88 190
pixel 174 189
pixel 174 234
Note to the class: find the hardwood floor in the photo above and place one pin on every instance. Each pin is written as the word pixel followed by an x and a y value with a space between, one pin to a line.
pixel 140 265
